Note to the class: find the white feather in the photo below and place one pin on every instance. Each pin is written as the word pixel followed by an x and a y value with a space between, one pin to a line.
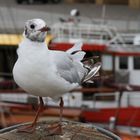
pixel 76 47
pixel 78 56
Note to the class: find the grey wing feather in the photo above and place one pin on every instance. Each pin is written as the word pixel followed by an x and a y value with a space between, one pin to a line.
pixel 66 68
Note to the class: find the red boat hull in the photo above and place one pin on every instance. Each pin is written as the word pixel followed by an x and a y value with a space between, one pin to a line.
pixel 129 116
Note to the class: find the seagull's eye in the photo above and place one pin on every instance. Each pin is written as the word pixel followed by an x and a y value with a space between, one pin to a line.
pixel 32 26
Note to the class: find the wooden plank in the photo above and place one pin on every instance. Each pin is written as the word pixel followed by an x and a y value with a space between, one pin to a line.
pixel 15 105
pixel 67 112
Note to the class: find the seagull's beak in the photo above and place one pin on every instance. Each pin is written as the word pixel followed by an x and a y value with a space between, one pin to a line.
pixel 44 29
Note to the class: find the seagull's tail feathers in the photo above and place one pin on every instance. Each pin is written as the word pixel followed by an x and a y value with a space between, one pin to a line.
pixel 93 70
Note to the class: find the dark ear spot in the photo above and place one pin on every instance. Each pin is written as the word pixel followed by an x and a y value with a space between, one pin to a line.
pixel 25 30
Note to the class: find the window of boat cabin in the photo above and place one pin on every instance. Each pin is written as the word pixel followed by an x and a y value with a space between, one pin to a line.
pixel 123 62
pixel 136 62
pixel 7 59
pixel 105 97
pixel 107 62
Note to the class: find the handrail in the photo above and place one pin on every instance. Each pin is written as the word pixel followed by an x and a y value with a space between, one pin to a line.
pixel 88 33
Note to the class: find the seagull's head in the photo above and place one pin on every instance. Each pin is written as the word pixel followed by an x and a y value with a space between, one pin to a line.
pixel 36 30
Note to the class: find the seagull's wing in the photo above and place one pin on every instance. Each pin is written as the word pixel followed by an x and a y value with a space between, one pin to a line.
pixel 65 66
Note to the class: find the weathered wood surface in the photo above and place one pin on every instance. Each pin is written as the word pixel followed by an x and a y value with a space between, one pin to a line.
pixel 71 131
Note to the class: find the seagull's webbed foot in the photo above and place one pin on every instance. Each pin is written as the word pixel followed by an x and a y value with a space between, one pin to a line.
pixel 26 129
pixel 55 129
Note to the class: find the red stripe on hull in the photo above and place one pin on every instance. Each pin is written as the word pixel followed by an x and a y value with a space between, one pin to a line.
pixel 126 116
pixel 93 47
pixel 86 47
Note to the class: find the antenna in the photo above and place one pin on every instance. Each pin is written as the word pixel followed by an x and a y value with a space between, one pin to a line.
pixel 103 14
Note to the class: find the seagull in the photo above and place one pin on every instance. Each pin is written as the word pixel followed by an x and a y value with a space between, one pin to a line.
pixel 49 73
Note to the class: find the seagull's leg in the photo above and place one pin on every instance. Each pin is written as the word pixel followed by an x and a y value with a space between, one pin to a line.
pixel 56 129
pixel 31 128
pixel 61 109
